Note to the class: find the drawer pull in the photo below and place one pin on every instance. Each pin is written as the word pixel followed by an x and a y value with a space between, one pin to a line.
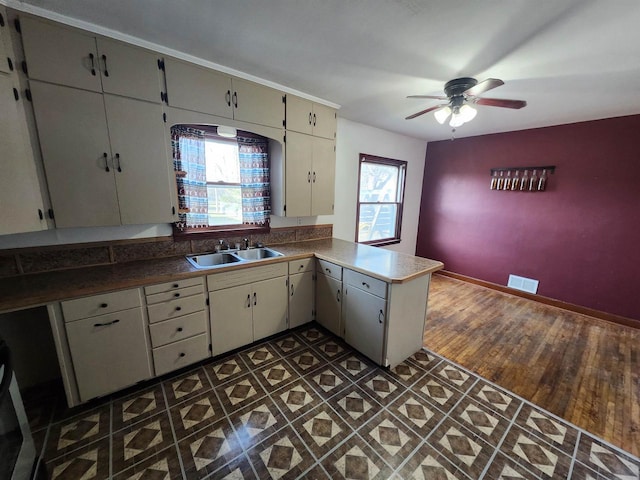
pixel 106 324
pixel 182 354
pixel 175 285
pixel 365 284
pixel 104 305
pixel 327 270
pixel 179 329
pixel 177 294
pixel 300 267
pixel 178 309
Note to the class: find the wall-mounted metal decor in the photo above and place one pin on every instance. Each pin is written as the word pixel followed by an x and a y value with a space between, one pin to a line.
pixel 524 179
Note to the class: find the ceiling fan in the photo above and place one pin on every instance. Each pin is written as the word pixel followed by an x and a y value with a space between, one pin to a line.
pixel 461 94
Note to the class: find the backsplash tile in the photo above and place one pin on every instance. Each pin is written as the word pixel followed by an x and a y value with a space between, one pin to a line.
pixel 315 233
pixel 33 261
pixel 154 249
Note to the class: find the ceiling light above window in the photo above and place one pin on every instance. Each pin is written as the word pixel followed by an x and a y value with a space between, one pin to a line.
pixel 227 132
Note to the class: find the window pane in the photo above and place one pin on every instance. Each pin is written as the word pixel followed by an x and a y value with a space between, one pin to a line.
pixel 377 222
pixel 222 161
pixel 225 204
pixel 378 183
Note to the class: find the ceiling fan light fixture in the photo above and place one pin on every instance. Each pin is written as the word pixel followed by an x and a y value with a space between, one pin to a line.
pixel 456 120
pixel 442 114
pixel 467 113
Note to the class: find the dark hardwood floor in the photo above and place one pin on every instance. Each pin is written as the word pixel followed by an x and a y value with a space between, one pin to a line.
pixel 582 369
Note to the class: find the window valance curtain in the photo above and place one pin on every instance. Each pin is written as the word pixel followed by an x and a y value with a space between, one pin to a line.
pixel 189 161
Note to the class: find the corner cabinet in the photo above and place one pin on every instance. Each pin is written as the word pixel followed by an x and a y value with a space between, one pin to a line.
pixel 204 90
pixel 247 305
pixel 104 157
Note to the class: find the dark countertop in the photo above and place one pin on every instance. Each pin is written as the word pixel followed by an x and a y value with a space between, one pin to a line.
pixel 33 290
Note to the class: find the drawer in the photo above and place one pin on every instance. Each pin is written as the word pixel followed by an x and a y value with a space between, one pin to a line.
pixel 169 286
pixel 173 294
pixel 233 278
pixel 366 283
pixel 301 266
pixel 176 308
pixel 169 331
pixel 100 304
pixel 328 268
pixel 180 354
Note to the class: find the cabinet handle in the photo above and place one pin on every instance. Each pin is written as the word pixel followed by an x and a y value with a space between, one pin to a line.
pixel 228 98
pixel 314 177
pixel 365 284
pixel 314 119
pixel 178 309
pixel 292 289
pixel 179 329
pixel 177 294
pixel 381 316
pixel 106 161
pixel 255 298
pixel 309 118
pixel 338 295
pixel 300 267
pixel 93 66
pixel 249 301
pixel 182 354
pixel 235 99
pixel 328 270
pixel 104 305
pixel 106 324
pixel 118 160
pixel 309 177
pixel 104 59
pixel 175 285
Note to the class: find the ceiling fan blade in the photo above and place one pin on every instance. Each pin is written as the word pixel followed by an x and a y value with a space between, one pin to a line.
pixel 483 86
pixel 435 97
pixel 422 112
pixel 501 102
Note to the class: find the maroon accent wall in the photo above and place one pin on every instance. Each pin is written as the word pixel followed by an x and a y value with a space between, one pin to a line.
pixel 580 238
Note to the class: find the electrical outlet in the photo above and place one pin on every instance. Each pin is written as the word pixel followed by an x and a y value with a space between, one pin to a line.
pixel 299 220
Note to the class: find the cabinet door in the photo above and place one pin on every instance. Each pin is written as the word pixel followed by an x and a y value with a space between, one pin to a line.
pixel 4 39
pixel 364 319
pixel 129 71
pixel 269 300
pixel 20 195
pixel 231 321
pixel 60 54
pixel 109 352
pixel 324 121
pixel 328 303
pixel 298 175
pixel 301 299
pixel 73 137
pixel 323 176
pixel 197 88
pixel 257 104
pixel 299 115
pixel 140 160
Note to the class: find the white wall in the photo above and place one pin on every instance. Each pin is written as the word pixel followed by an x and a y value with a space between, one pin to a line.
pixel 355 138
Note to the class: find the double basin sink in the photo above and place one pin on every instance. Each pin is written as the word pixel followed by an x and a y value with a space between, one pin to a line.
pixel 220 259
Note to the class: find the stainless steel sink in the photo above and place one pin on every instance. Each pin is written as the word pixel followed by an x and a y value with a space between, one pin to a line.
pixel 257 253
pixel 220 259
pixel 210 260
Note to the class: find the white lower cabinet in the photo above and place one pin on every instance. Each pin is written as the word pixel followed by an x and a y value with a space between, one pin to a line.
pixel 178 324
pixel 329 296
pixel 301 292
pixel 110 351
pixel 247 305
pixel 365 318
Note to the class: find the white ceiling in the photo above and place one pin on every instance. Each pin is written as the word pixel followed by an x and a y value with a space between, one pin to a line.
pixel 571 60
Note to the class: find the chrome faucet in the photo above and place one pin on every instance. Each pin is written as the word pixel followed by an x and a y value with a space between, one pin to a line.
pixel 246 243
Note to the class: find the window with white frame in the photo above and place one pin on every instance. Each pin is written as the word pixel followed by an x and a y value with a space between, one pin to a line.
pixel 381 183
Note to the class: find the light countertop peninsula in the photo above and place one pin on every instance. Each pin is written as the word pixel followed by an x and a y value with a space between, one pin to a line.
pixel 24 291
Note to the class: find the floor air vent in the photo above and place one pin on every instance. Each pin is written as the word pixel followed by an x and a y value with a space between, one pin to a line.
pixel 521 283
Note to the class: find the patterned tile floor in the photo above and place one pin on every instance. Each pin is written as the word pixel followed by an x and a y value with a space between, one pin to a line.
pixel 305 405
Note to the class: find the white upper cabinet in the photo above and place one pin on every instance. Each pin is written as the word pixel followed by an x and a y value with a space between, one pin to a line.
pixel 71 57
pixel 204 90
pixel 305 116
pixel 103 167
